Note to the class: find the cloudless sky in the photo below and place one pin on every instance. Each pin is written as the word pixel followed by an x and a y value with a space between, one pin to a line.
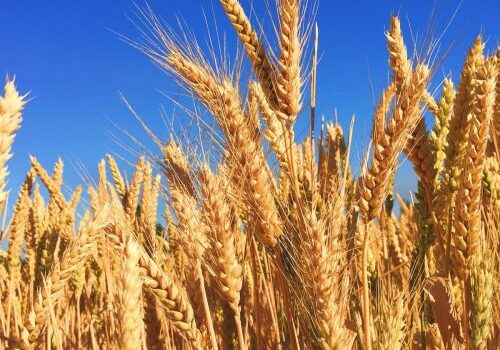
pixel 67 54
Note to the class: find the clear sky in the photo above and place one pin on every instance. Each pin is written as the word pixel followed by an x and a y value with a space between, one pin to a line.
pixel 74 66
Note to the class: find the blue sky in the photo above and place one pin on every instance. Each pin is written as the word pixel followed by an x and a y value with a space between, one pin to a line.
pixel 74 66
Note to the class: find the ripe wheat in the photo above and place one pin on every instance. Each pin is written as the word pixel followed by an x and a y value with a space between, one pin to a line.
pixel 267 241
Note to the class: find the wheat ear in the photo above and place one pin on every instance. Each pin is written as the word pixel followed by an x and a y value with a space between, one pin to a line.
pixel 117 176
pixel 17 232
pixel 51 185
pixel 439 141
pixel 228 270
pixel 130 204
pixel 373 184
pixel 467 221
pixel 72 260
pixel 262 66
pixel 441 127
pixel 273 132
pixel 57 173
pixel 11 106
pixel 456 139
pixel 289 79
pixel 482 288
pixel 194 242
pixel 496 120
pixel 172 298
pixel 398 55
pixel 177 167
pixel 417 147
pixel 223 100
pixel 130 299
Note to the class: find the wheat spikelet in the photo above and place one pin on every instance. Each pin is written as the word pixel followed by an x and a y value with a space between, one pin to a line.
pixel 252 105
pixel 430 102
pixel 433 338
pixel 491 184
pixel 11 105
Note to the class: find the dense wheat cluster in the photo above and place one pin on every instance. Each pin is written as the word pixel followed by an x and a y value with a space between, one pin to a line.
pixel 263 241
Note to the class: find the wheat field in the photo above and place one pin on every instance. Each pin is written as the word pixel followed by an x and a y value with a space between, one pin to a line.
pixel 264 241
